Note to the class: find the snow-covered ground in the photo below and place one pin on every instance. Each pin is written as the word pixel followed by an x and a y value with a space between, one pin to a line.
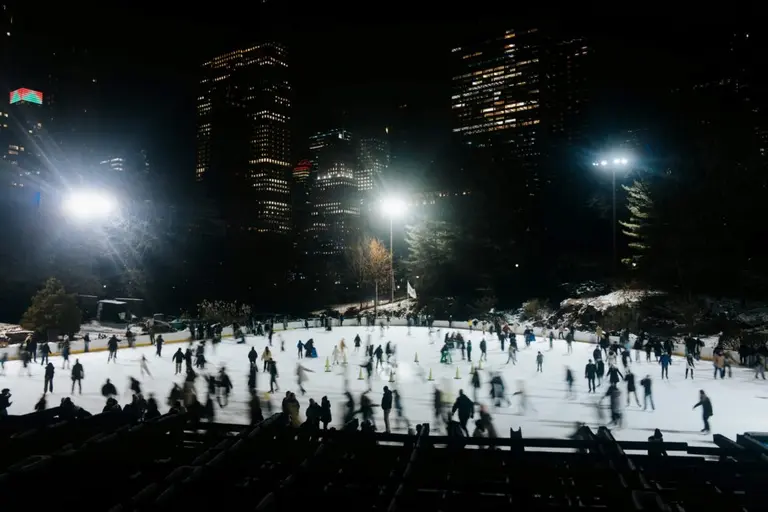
pixel 738 403
pixel 611 300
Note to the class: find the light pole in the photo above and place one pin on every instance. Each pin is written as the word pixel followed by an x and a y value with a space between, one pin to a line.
pixel 613 165
pixel 392 208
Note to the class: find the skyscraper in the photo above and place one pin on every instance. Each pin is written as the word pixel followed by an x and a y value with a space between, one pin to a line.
pixel 497 93
pixel 22 133
pixel 243 134
pixel 334 194
pixel 521 96
pixel 372 161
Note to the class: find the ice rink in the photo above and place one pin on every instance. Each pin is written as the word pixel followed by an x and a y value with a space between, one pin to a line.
pixel 738 402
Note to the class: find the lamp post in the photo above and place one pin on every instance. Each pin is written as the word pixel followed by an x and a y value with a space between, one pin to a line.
pixel 613 165
pixel 392 208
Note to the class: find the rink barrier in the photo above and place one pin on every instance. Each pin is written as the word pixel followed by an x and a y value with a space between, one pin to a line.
pixel 142 340
pixel 280 468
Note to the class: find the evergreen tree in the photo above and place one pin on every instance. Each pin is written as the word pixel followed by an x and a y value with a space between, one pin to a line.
pixel 52 309
pixel 639 226
pixel 431 255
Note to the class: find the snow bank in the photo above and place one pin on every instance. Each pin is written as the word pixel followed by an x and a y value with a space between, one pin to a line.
pixel 367 306
pixel 611 300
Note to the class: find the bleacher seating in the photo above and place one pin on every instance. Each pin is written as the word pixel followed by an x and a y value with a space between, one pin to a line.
pixel 105 462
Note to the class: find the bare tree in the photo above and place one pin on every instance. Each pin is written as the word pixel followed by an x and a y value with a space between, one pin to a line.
pixel 376 268
pixel 368 261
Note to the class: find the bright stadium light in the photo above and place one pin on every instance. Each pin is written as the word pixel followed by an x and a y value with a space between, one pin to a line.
pixel 89 205
pixel 393 207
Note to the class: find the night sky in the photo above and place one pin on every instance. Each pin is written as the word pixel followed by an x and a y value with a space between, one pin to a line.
pixel 347 72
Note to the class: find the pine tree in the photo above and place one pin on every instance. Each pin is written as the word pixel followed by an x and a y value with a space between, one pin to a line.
pixel 431 254
pixel 52 309
pixel 640 226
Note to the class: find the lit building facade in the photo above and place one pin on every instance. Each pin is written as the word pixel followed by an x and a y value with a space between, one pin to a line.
pixel 522 97
pixel 497 93
pixel 244 134
pixel 373 158
pixel 334 197
pixel 21 132
pixel 302 171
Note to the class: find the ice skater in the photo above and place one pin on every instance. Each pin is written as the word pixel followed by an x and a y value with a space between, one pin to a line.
pixel 614 396
pixel 272 368
pixel 301 377
pixel 590 371
pixel 48 379
pixel 523 403
pixel 466 410
pixel 665 360
pixel 629 378
pixel 539 362
pixel 689 365
pixel 223 388
pixel 569 383
pixel 144 366
pixel 77 376
pixel 647 393
pixel 399 413
pixel 65 355
pixel 706 409
pixel 178 359
pixel 600 372
pixel 760 367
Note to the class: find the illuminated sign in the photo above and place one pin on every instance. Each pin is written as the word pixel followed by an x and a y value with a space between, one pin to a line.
pixel 26 95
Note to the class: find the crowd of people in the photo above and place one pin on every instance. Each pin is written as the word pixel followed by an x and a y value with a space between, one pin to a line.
pixel 381 361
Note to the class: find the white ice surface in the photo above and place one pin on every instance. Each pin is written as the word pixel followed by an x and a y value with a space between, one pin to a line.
pixel 739 403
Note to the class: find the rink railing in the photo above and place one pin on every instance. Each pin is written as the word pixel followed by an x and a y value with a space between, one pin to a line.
pixel 142 340
pixel 175 463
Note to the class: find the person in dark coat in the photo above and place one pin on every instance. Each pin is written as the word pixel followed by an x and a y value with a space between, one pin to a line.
pixel 5 402
pixel 77 376
pixel 665 360
pixel 629 378
pixel 600 371
pixel 706 409
pixel 48 382
pixel 112 347
pixel 178 359
pixel 257 416
pixel 224 388
pixel 159 346
pixel 188 358
pixel 569 382
pixel 475 383
pixel 590 372
pixel 314 414
pixel 108 389
pixel 152 411
pixel 325 417
pixel 386 407
pixel 647 392
pixel 466 409
pixel 252 356
pixel 44 350
pixel 614 375
pixel 273 377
